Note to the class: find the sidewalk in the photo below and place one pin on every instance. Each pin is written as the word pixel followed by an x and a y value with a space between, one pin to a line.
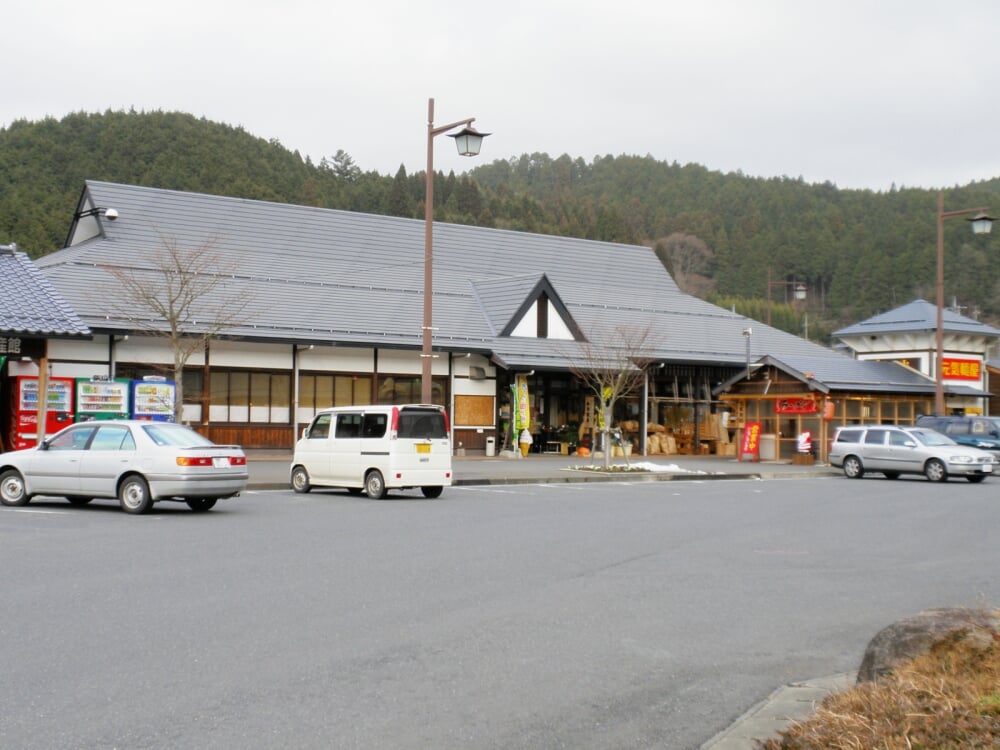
pixel 782 708
pixel 789 703
pixel 269 469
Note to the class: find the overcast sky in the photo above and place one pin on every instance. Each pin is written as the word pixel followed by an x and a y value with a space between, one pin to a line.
pixel 860 93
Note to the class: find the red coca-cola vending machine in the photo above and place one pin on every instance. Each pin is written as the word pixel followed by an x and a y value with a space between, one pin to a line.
pixel 24 409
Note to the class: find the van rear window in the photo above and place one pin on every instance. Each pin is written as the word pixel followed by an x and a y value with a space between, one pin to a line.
pixel 421 424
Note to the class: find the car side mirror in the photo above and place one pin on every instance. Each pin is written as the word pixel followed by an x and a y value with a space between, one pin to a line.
pixel 909 444
pixel 305 432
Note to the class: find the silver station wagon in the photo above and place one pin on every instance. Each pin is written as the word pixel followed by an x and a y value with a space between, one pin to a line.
pixel 893 451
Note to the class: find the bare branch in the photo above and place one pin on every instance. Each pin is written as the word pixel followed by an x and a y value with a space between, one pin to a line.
pixel 612 364
pixel 183 297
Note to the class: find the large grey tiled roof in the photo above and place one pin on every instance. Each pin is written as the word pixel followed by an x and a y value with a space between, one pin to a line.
pixel 500 298
pixel 919 315
pixel 323 276
pixel 30 305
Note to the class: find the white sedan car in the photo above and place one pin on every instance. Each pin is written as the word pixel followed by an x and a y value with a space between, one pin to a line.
pixel 138 462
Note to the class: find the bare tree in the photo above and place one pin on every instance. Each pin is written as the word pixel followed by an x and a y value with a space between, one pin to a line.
pixel 612 364
pixel 688 260
pixel 184 296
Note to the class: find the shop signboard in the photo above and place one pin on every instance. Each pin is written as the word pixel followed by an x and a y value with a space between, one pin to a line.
pixel 796 406
pixel 522 404
pixel 751 441
pixel 961 369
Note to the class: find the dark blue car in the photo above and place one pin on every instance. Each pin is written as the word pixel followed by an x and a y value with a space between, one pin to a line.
pixel 979 432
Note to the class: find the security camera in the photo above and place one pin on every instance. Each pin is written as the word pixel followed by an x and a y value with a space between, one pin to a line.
pixel 111 214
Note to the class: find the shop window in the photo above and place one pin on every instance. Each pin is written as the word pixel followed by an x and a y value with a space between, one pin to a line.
pixel 395 389
pixel 318 392
pixel 257 397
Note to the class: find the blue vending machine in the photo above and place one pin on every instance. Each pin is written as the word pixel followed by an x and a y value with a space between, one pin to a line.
pixel 153 399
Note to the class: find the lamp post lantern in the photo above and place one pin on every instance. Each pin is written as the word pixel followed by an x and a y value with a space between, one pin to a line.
pixel 981 224
pixel 468 141
pixel 800 291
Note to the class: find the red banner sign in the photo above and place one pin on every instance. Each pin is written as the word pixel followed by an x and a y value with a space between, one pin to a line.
pixel 795 406
pixel 751 441
pixel 962 369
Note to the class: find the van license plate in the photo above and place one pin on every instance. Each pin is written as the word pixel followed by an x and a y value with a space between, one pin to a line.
pixel 423 448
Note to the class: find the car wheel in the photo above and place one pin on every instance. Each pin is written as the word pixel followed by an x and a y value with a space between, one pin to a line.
pixel 935 471
pixel 891 474
pixel 79 500
pixel 853 468
pixel 12 490
pixel 201 504
pixel 976 478
pixel 133 494
pixel 375 485
pixel 300 479
pixel 432 491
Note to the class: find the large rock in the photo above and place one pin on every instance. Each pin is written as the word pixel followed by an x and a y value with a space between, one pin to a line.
pixel 915 636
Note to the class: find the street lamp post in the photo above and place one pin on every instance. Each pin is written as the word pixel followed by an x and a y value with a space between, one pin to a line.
pixel 468 141
pixel 981 224
pixel 800 291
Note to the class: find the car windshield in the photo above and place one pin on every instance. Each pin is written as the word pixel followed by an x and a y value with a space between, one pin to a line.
pixel 167 433
pixel 929 437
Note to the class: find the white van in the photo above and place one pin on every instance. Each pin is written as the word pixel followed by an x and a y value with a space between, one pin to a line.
pixel 375 449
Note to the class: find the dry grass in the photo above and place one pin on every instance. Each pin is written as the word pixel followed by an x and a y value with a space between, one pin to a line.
pixel 947 699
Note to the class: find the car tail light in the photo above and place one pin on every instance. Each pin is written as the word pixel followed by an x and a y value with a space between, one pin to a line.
pixel 237 460
pixel 394 424
pixel 447 424
pixel 194 460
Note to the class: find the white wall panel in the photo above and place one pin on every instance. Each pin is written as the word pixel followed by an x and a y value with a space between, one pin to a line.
pixel 249 354
pixel 337 359
pixel 408 362
pixel 149 350
pixel 466 387
pixel 95 349
pixel 79 370
pixel 461 365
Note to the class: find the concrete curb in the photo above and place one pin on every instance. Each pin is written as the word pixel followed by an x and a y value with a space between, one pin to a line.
pixel 786 706
pixel 269 472
pixel 581 476
pixel 595 478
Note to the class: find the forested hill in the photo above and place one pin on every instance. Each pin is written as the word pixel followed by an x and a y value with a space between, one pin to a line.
pixel 721 235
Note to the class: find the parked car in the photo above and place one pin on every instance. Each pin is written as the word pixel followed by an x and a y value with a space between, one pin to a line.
pixel 137 462
pixel 906 450
pixel 374 449
pixel 979 432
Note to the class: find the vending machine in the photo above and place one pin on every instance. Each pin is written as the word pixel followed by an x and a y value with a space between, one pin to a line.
pixel 102 398
pixel 153 399
pixel 24 409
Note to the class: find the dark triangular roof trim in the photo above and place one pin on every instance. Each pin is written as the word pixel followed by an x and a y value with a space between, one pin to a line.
pixel 544 287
